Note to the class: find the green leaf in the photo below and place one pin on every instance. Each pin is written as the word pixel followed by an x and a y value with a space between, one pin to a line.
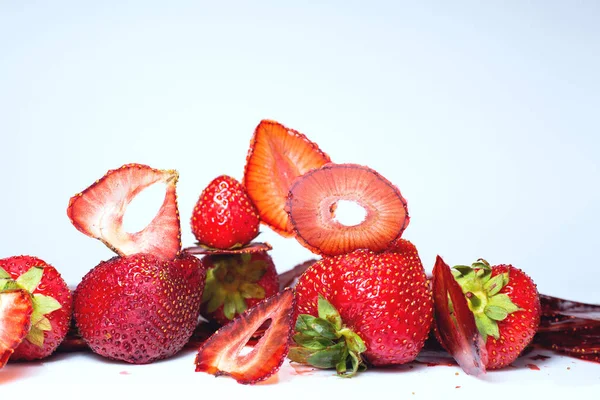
pixel 353 341
pixel 484 275
pixel 463 269
pixel 329 357
pixel 486 326
pixel 254 271
pixel 43 324
pixel 300 354
pixel 4 274
pixel 217 299
pixel 328 312
pixel 45 304
pixel 252 291
pixel 494 285
pixel 31 279
pixel 312 342
pixel 229 307
pixel 303 324
pixel 356 362
pixel 496 313
pixel 324 328
pixel 36 336
pixel 503 301
pixel 245 258
pixel 313 326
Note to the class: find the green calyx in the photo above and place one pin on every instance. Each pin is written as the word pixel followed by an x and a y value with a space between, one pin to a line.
pixel 42 305
pixel 484 299
pixel 324 342
pixel 231 281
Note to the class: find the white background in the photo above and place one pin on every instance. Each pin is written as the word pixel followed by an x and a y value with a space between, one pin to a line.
pixel 485 114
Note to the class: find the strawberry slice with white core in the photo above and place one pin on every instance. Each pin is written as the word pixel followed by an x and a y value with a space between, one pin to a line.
pixel 98 212
pixel 16 308
pixel 276 157
pixel 222 354
pixel 314 198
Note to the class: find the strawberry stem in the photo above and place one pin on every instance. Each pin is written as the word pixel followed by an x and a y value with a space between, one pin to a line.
pixel 324 342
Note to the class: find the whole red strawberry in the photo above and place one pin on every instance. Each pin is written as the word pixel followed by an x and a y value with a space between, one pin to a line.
pixel 52 305
pixel 372 308
pixel 224 216
pixel 236 282
pixel 138 308
pixel 506 307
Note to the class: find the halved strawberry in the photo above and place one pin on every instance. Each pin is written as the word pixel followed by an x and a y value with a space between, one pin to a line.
pixel 276 157
pixel 221 353
pixel 455 323
pixel 98 212
pixel 313 200
pixel 16 308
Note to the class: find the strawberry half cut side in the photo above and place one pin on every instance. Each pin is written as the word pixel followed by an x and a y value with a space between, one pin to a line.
pixel 221 353
pixel 256 247
pixel 315 196
pixel 98 212
pixel 455 322
pixel 278 155
pixel 16 308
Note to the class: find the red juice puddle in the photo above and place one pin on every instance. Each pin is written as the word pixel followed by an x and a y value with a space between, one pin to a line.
pixel 570 328
pixel 533 367
pixel 124 373
pixel 300 369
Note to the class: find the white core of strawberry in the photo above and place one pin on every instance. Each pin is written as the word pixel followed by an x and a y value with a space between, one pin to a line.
pixel 349 213
pixel 144 207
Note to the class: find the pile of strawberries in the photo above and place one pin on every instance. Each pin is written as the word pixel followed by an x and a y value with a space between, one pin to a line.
pixel 366 302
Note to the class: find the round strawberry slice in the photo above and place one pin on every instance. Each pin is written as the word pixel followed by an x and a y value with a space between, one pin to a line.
pixel 315 196
pixel 98 212
pixel 276 157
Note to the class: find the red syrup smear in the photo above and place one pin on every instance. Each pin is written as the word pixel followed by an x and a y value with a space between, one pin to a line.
pixel 457 329
pixel 569 328
pixel 533 367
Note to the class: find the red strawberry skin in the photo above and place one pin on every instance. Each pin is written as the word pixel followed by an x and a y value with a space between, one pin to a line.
pixel 269 282
pixel 518 329
pixel 53 285
pixel 383 297
pixel 138 308
pixel 224 216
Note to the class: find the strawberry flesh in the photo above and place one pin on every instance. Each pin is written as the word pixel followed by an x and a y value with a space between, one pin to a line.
pixel 276 157
pixel 456 329
pixel 221 353
pixel 98 212
pixel 15 320
pixel 313 199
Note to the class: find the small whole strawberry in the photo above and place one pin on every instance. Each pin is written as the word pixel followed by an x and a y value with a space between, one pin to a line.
pixel 224 216
pixel 362 308
pixel 51 305
pixel 138 308
pixel 236 282
pixel 505 304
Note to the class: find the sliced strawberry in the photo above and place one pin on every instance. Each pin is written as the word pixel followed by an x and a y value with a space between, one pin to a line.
pixel 220 354
pixel 455 322
pixel 276 157
pixel 255 247
pixel 98 212
pixel 313 200
pixel 15 320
